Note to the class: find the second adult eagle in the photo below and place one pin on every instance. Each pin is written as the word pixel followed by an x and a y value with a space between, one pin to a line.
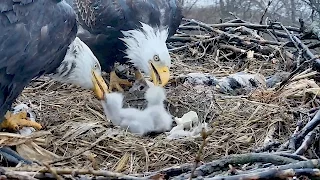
pixel 133 31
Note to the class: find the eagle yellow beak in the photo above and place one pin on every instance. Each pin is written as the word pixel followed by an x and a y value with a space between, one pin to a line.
pixel 100 87
pixel 160 74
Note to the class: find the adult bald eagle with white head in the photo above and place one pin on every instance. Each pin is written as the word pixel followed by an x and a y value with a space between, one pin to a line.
pixel 39 37
pixel 130 31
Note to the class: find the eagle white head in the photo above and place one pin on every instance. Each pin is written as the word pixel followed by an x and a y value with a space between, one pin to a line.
pixel 147 50
pixel 82 68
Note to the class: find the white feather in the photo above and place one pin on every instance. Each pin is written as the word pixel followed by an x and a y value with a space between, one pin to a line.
pixel 162 120
pixel 153 119
pixel 135 120
pixel 112 105
pixel 155 95
pixel 143 44
pixel 77 66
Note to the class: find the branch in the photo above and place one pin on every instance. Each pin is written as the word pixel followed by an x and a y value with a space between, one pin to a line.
pixel 308 54
pixel 309 126
pixel 38 172
pixel 210 27
pixel 218 165
pixel 265 11
pixel 306 143
pixel 273 173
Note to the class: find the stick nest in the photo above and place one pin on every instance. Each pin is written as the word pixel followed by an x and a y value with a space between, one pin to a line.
pixel 76 120
pixel 83 137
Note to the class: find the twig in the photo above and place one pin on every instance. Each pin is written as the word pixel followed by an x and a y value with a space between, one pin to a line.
pixel 273 174
pixel 283 146
pixel 53 172
pixel 292 156
pixel 308 54
pixel 306 143
pixel 309 126
pixel 241 159
pixel 315 163
pixel 16 175
pixel 252 26
pixel 204 136
pixel 292 140
pixel 173 171
pixel 207 170
pixel 270 134
pixel 32 171
pixel 191 45
pixel 265 11
pixel 288 33
pixel 238 50
pixel 267 147
pixel 298 69
pixel 79 153
pixel 259 41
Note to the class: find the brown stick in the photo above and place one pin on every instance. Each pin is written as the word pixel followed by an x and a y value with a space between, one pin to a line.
pixel 204 136
pixel 53 172
pixel 29 171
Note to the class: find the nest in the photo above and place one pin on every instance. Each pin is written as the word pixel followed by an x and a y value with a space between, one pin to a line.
pixel 82 136
pixel 78 126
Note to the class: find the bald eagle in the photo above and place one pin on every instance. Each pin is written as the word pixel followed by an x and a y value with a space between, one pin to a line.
pixel 39 37
pixel 129 31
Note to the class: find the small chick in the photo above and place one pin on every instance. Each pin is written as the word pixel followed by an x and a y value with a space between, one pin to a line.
pixel 154 118
pixel 162 120
pixel 134 119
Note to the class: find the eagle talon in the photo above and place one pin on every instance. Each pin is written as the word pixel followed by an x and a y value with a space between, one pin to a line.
pixel 17 121
pixel 115 82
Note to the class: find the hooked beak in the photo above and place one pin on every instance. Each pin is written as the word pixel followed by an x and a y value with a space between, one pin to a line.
pixel 100 87
pixel 160 75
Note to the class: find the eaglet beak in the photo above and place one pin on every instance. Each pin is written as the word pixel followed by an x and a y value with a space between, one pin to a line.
pixel 100 87
pixel 160 74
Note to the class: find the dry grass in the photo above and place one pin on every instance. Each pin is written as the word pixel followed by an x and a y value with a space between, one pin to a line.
pixel 77 123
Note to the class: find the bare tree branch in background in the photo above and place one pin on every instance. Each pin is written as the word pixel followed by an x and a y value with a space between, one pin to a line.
pixel 314 5
pixel 287 12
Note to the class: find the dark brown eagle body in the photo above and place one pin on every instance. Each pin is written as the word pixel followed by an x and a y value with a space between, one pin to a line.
pixel 103 20
pixel 34 37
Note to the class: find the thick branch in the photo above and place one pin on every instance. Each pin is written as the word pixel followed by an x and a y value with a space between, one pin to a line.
pixel 241 159
pixel 273 174
pixel 308 54
pixel 309 126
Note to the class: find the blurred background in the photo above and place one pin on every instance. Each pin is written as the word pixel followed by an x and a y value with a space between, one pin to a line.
pixel 286 11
